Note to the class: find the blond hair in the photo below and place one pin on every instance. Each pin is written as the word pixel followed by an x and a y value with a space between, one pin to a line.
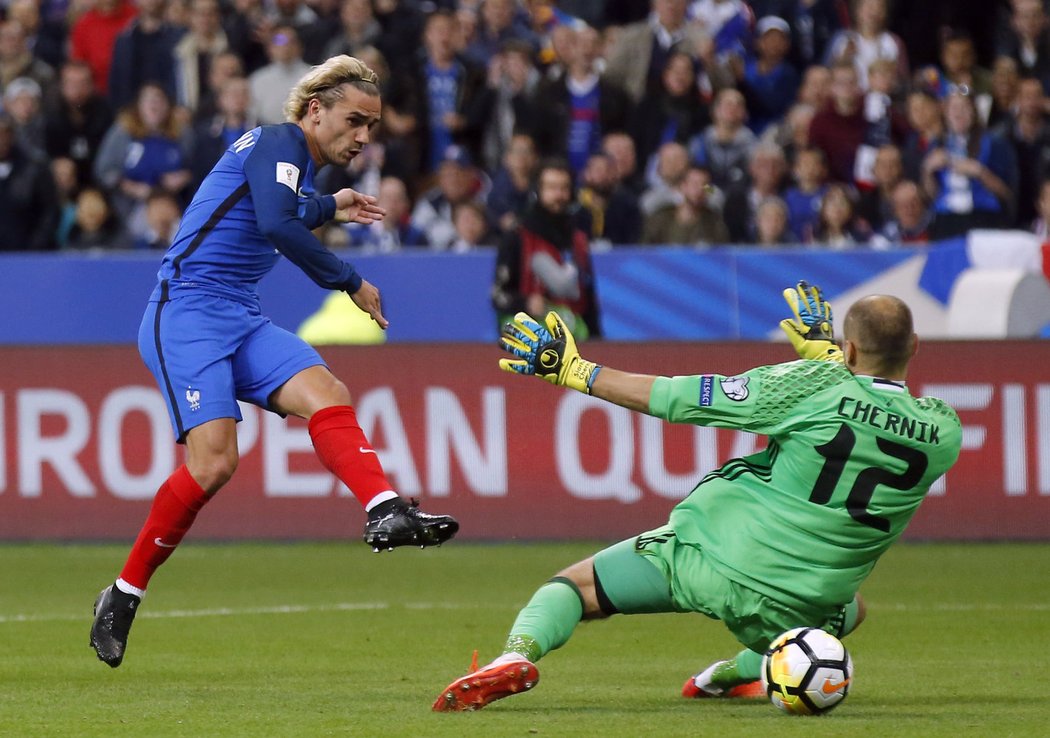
pixel 324 83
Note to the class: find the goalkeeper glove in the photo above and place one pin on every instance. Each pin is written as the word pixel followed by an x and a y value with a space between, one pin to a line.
pixel 810 331
pixel 548 351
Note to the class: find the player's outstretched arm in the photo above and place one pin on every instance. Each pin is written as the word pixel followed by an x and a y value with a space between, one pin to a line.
pixel 810 330
pixel 549 352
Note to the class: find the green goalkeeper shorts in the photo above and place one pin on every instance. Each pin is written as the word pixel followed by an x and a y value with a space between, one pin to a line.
pixel 654 573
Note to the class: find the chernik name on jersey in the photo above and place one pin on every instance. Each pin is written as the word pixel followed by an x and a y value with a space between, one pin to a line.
pixel 876 417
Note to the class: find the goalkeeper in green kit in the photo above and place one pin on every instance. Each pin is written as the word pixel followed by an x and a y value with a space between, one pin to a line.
pixel 772 541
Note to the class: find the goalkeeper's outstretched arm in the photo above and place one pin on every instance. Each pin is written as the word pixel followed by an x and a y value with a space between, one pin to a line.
pixel 624 389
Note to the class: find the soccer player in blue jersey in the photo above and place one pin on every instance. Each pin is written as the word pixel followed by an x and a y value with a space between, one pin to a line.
pixel 208 344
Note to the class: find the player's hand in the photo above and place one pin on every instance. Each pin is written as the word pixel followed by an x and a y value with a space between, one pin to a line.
pixel 810 330
pixel 352 206
pixel 367 298
pixel 548 351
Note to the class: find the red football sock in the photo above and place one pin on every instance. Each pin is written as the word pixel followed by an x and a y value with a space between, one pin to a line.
pixel 174 508
pixel 343 449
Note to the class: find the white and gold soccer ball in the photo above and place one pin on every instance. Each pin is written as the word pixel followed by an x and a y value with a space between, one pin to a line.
pixel 807 671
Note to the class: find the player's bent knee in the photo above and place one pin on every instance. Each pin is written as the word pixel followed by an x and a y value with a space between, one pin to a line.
pixel 213 471
pixel 581 574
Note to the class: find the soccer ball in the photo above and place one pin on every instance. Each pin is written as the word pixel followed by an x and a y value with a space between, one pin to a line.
pixel 806 671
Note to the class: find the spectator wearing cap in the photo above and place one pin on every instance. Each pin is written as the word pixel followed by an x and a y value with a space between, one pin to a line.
pixel 450 92
pixel 28 202
pixel 94 34
pixel 458 181
pixel 768 81
pixel 579 106
pixel 16 61
pixel 144 52
pixel 270 84
pixel 22 102
pixel 641 50
pixel 75 125
pixel 813 24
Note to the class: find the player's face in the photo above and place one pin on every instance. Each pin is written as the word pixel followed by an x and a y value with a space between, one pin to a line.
pixel 343 129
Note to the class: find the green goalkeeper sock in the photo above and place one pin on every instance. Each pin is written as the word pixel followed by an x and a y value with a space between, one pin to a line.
pixel 745 667
pixel 547 622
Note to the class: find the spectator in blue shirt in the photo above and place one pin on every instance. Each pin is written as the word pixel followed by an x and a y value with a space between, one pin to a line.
pixel 804 198
pixel 768 81
pixel 145 149
pixel 971 176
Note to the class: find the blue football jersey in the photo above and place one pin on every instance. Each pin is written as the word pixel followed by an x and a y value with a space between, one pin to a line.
pixel 257 204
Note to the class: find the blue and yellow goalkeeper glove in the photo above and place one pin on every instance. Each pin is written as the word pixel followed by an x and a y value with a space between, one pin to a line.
pixel 547 351
pixel 810 331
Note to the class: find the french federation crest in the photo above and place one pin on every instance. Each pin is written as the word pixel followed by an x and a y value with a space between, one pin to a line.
pixel 735 388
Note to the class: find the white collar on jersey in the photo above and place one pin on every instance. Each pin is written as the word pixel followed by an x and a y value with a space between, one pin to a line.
pixel 885 384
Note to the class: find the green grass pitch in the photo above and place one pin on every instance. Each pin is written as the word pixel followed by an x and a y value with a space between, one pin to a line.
pixel 330 639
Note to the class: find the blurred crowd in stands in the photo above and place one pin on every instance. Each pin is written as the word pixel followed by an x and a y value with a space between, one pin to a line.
pixel 702 122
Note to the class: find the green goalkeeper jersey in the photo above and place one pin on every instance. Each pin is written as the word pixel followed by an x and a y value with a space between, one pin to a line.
pixel 848 462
